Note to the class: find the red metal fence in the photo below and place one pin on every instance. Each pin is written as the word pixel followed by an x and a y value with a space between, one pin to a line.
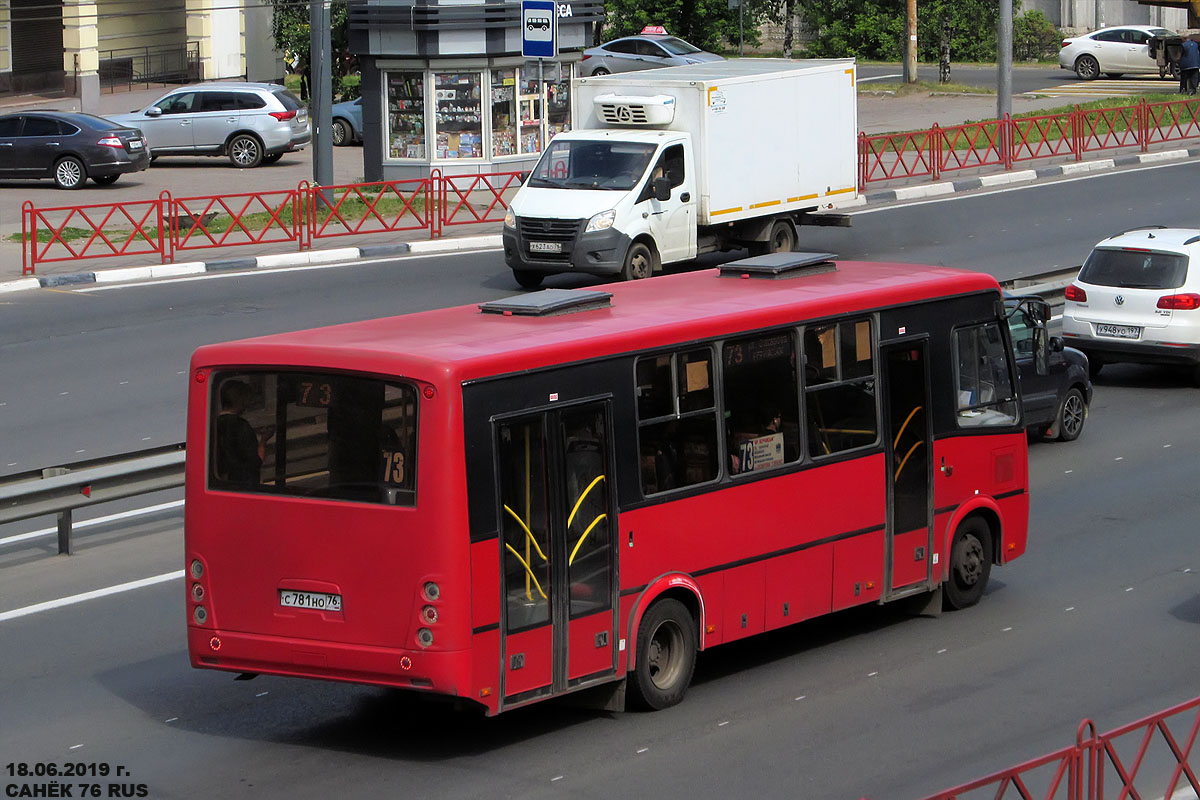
pixel 1006 141
pixel 1144 760
pixel 170 225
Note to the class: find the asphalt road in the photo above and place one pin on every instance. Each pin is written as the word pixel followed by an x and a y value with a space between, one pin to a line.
pixel 1098 619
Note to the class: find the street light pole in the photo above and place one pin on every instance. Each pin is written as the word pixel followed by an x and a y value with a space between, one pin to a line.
pixel 1004 60
pixel 321 90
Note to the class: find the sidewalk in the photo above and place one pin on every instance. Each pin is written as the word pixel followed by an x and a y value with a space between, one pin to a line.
pixel 877 113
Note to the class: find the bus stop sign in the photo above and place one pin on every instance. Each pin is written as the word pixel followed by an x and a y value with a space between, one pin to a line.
pixel 539 28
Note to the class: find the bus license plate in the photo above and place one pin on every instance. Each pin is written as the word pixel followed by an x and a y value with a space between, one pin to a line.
pixel 315 600
pixel 1119 331
pixel 545 247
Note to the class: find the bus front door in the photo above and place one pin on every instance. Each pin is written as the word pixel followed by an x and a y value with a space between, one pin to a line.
pixel 909 449
pixel 558 564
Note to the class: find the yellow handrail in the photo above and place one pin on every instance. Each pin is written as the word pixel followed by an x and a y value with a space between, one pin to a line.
pixel 900 433
pixel 528 533
pixel 905 459
pixel 528 571
pixel 583 497
pixel 571 560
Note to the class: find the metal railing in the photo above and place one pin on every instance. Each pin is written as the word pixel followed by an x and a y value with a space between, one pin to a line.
pixel 61 490
pixel 1127 762
pixel 152 64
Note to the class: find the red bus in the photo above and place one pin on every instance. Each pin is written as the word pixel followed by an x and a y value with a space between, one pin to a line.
pixel 570 488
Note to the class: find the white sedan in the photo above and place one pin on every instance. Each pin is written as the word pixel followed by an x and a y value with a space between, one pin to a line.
pixel 1114 52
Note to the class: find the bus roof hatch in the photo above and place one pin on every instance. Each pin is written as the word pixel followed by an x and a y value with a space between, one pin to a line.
pixel 548 302
pixel 780 265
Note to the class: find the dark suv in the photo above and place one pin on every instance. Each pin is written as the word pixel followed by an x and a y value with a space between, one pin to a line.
pixel 1055 388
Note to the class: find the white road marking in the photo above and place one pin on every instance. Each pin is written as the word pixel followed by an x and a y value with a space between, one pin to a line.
pixel 722 724
pixel 258 272
pixel 83 598
pixel 172 719
pixel 941 651
pixel 75 747
pixel 801 697
pixel 872 674
pixel 643 750
pixel 1006 630
pixel 1069 608
pixel 20 537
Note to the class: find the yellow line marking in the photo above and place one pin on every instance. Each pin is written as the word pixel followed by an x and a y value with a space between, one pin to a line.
pixel 64 291
pixel 764 205
pixel 725 211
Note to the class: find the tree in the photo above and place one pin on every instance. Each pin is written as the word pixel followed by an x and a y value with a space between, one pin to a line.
pixel 290 29
pixel 704 23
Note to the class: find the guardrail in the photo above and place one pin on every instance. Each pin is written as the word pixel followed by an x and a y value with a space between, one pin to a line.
pixel 1010 140
pixel 61 490
pixel 1127 762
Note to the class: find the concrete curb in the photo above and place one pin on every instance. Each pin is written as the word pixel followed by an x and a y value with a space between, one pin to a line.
pixel 306 258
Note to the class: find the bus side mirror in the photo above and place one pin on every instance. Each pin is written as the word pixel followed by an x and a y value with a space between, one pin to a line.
pixel 1056 344
pixel 662 189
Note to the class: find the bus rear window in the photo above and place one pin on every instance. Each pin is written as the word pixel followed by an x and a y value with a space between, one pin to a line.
pixel 337 437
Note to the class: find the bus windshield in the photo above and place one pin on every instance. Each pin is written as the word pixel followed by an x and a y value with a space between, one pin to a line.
pixel 584 164
pixel 306 434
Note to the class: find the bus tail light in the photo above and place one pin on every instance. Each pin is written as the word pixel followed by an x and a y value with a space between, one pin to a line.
pixel 1075 294
pixel 429 614
pixel 425 637
pixel 1180 302
pixel 197 592
pixel 214 643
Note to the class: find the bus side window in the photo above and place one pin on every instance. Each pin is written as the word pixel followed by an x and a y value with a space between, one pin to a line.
pixel 677 420
pixel 839 387
pixel 983 377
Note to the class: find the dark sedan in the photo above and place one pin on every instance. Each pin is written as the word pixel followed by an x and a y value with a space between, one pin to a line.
pixel 1055 387
pixel 69 148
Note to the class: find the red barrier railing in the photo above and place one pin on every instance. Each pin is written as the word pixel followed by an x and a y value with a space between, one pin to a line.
pixel 975 144
pixel 231 220
pixel 72 232
pixel 469 199
pixel 1105 766
pixel 383 207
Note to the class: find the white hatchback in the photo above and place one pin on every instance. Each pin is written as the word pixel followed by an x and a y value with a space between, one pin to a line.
pixel 1113 51
pixel 1136 300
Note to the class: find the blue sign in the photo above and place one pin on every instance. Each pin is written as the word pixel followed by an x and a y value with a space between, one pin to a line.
pixel 539 28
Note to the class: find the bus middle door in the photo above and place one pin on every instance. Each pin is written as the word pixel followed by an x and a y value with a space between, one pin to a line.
pixel 558 563
pixel 908 447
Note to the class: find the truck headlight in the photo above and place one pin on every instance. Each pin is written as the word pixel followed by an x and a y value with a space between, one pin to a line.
pixel 510 219
pixel 601 222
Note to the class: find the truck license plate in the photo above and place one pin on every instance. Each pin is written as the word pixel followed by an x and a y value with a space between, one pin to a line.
pixel 317 600
pixel 545 247
pixel 1119 331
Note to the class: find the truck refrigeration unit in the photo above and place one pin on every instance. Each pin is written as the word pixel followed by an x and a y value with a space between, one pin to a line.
pixel 670 163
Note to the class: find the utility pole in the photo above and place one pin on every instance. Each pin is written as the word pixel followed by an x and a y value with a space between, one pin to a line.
pixel 321 91
pixel 910 42
pixel 1004 60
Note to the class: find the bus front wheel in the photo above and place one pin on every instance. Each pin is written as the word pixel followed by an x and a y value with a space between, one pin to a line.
pixel 666 655
pixel 970 563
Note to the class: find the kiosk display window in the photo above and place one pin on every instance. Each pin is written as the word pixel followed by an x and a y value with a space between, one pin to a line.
pixel 458 116
pixel 406 115
pixel 558 108
pixel 531 114
pixel 504 112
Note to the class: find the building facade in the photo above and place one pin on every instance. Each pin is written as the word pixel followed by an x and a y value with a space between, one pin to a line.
pixel 79 46
pixel 1080 16
pixel 445 87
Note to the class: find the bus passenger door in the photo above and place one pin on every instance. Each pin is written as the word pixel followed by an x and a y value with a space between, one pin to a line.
pixel 558 563
pixel 908 449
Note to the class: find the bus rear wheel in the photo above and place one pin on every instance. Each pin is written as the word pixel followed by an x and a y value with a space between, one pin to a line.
pixel 666 655
pixel 970 563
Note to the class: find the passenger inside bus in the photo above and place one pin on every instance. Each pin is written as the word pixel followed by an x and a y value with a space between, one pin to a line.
pixel 240 449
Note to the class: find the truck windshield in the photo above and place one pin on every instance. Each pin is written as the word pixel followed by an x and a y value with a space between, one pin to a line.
pixel 585 164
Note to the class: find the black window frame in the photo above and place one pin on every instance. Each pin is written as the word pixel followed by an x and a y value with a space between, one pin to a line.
pixel 840 382
pixel 677 415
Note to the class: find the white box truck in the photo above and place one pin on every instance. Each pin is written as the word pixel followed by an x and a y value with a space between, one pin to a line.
pixel 666 164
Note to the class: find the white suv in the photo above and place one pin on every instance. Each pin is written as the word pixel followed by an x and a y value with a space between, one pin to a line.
pixel 252 123
pixel 1136 300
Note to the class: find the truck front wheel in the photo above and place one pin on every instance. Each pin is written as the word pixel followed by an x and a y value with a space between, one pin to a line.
pixel 639 263
pixel 528 279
